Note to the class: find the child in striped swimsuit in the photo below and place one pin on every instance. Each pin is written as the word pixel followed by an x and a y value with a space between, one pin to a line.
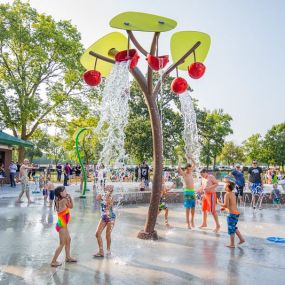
pixel 63 203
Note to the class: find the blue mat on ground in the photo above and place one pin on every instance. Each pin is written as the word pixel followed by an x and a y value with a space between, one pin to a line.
pixel 276 239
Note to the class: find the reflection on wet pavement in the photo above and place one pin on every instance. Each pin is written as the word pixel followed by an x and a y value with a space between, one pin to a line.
pixel 28 240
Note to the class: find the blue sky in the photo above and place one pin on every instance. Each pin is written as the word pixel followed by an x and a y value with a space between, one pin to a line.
pixel 245 65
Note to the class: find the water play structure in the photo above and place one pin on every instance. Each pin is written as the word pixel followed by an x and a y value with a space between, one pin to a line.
pixel 188 51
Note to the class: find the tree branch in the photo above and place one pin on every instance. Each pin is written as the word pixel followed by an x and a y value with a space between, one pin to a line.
pixel 102 57
pixel 174 65
pixel 136 43
pixel 137 74
pixel 149 70
pixel 48 110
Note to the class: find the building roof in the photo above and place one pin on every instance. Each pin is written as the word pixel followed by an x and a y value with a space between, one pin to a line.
pixel 6 139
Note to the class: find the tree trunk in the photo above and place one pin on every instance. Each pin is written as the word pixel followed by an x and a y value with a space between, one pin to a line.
pixel 21 154
pixel 149 232
pixel 214 164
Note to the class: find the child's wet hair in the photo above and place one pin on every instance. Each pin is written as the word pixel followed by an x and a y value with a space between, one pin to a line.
pixel 188 165
pixel 231 185
pixel 58 190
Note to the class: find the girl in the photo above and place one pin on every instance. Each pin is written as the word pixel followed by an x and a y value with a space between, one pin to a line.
pixel 63 203
pixel 107 220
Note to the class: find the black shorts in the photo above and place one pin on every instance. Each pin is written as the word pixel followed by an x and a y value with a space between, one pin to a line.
pixel 51 195
pixel 239 191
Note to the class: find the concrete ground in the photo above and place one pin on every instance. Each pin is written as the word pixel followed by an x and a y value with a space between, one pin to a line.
pixel 181 256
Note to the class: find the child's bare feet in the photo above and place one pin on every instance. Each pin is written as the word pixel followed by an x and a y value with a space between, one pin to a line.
pixel 98 254
pixel 192 225
pixel 241 241
pixel 188 226
pixel 230 246
pixel 217 229
pixel 202 226
pixel 70 259
pixel 55 264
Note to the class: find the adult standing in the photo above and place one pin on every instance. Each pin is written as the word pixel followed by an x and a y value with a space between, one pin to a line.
pixel 255 183
pixel 137 173
pixel 25 181
pixel 240 182
pixel 209 201
pixel 59 172
pixel 145 173
pixel 13 170
pixel 67 171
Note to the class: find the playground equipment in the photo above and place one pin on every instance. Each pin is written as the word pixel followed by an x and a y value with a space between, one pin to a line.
pixel 187 47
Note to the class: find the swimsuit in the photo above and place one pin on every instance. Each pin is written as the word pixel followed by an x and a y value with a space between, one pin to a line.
pixel 162 203
pixel 232 220
pixel 276 200
pixel 209 202
pixel 51 194
pixel 189 198
pixel 63 219
pixel 107 214
pixel 256 188
pixel 25 183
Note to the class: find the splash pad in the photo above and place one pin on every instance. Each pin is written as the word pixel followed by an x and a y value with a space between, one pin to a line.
pixel 186 48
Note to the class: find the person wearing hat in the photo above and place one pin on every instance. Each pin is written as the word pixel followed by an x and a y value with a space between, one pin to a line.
pixel 240 182
pixel 230 205
pixel 13 170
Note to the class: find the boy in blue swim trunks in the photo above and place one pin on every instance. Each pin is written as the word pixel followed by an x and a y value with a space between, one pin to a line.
pixel 189 191
pixel 230 205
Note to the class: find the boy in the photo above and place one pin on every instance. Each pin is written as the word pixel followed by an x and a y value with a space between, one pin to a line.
pixel 162 204
pixel 276 196
pixel 230 205
pixel 50 189
pixel 208 187
pixel 189 191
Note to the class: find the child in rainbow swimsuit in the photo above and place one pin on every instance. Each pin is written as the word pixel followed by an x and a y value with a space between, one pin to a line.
pixel 107 220
pixel 63 203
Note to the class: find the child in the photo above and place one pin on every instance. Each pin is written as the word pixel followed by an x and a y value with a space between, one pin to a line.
pixel 107 220
pixel 63 203
pixel 230 205
pixel 50 190
pixel 142 185
pixel 189 191
pixel 162 204
pixel 276 196
pixel 42 186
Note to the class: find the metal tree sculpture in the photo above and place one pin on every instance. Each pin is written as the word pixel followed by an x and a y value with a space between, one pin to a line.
pixel 187 47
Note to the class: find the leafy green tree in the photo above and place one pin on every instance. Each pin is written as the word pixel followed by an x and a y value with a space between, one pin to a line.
pixel 40 72
pixel 254 148
pixel 214 127
pixel 274 145
pixel 232 153
pixel 89 143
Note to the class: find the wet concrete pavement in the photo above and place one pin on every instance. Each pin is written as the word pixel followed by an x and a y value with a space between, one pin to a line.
pixel 28 240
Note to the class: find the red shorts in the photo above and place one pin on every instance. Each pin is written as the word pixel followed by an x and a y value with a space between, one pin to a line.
pixel 209 202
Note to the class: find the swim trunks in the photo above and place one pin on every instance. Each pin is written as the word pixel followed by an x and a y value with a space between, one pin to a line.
pixel 63 218
pixel 276 200
pixel 162 204
pixel 189 198
pixel 51 194
pixel 232 220
pixel 239 190
pixel 256 188
pixel 45 192
pixel 209 201
pixel 25 183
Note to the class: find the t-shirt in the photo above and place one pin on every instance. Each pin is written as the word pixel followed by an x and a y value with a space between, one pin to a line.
pixel 255 174
pixel 144 171
pixel 239 177
pixel 67 169
pixel 13 168
pixel 276 194
pixel 59 168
